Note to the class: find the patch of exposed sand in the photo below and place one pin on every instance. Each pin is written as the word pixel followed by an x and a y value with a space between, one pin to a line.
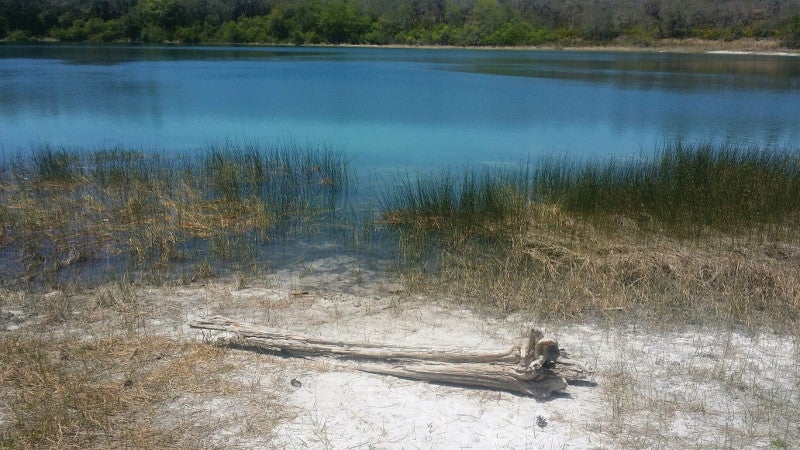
pixel 652 388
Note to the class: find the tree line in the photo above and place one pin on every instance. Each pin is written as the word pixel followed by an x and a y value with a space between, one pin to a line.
pixel 411 22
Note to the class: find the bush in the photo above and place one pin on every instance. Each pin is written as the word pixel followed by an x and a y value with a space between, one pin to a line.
pixel 19 36
pixel 642 36
pixel 154 33
pixel 790 36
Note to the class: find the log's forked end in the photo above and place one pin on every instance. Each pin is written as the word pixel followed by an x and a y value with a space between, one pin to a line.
pixel 538 352
pixel 527 350
pixel 534 335
pixel 547 352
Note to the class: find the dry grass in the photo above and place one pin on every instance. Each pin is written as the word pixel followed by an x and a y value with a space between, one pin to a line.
pixel 84 370
pixel 68 393
pixel 729 390
pixel 566 268
pixel 89 370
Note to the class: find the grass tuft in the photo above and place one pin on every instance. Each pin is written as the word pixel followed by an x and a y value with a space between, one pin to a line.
pixel 487 204
pixel 683 189
pixel 66 214
pixel 662 239
pixel 55 165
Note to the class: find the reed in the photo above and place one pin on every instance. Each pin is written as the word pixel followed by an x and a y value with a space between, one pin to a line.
pixel 487 204
pixel 65 211
pixel 658 238
pixel 683 189
pixel 55 165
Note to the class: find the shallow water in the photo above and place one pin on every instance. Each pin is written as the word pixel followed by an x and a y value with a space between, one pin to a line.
pixel 394 108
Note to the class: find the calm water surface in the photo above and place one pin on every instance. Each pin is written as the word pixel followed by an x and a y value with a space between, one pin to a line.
pixel 394 108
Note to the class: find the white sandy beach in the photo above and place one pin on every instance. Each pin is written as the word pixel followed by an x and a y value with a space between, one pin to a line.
pixel 668 388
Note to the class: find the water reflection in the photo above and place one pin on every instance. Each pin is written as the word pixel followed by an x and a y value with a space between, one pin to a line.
pixel 119 53
pixel 394 107
pixel 679 72
pixel 59 93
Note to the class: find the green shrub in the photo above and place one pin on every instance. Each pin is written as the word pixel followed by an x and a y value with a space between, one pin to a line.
pixel 790 35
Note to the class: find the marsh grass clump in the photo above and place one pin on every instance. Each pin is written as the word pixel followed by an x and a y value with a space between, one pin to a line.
pixel 488 204
pixel 695 235
pixel 64 211
pixel 55 165
pixel 123 168
pixel 683 189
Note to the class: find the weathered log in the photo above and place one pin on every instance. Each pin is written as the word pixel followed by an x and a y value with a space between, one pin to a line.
pixel 533 368
pixel 540 384
pixel 306 345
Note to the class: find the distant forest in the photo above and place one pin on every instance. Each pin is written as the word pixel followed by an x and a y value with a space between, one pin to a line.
pixel 409 22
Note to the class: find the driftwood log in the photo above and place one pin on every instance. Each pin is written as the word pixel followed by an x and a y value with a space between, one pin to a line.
pixel 537 367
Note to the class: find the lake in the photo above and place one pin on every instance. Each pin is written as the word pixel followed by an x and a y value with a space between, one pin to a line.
pixel 392 109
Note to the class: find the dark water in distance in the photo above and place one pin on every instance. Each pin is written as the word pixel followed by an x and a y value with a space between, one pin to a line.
pixel 394 108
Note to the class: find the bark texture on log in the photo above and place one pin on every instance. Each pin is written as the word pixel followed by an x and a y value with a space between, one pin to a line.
pixel 533 368
pixel 541 384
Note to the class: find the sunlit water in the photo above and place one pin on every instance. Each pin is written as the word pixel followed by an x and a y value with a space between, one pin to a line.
pixel 388 110
pixel 392 109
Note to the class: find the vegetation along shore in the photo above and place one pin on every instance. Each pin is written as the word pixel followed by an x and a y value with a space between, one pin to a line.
pixel 673 278
pixel 635 23
pixel 692 233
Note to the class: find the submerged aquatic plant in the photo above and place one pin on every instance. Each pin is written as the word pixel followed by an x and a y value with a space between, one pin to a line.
pixel 149 210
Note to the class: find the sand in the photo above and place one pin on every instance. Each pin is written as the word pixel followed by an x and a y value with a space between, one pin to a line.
pixel 668 387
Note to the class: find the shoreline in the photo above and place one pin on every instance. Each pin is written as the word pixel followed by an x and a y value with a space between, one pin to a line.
pixel 743 46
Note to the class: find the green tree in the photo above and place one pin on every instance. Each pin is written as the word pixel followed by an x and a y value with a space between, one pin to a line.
pixel 390 23
pixel 3 27
pixel 486 17
pixel 463 22
pixel 280 24
pixel 131 25
pixel 23 15
pixel 790 35
pixel 340 22
pixel 164 14
pixel 455 13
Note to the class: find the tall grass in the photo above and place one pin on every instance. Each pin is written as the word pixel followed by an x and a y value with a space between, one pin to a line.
pixel 485 203
pixel 681 188
pixel 54 165
pixel 582 233
pixel 442 211
pixel 64 210
pixel 569 239
pixel 684 188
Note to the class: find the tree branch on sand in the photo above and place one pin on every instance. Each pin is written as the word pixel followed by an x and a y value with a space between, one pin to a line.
pixel 537 367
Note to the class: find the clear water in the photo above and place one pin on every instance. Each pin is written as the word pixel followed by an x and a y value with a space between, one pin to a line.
pixel 393 109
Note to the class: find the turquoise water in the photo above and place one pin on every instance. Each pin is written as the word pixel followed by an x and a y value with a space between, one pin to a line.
pixel 394 109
